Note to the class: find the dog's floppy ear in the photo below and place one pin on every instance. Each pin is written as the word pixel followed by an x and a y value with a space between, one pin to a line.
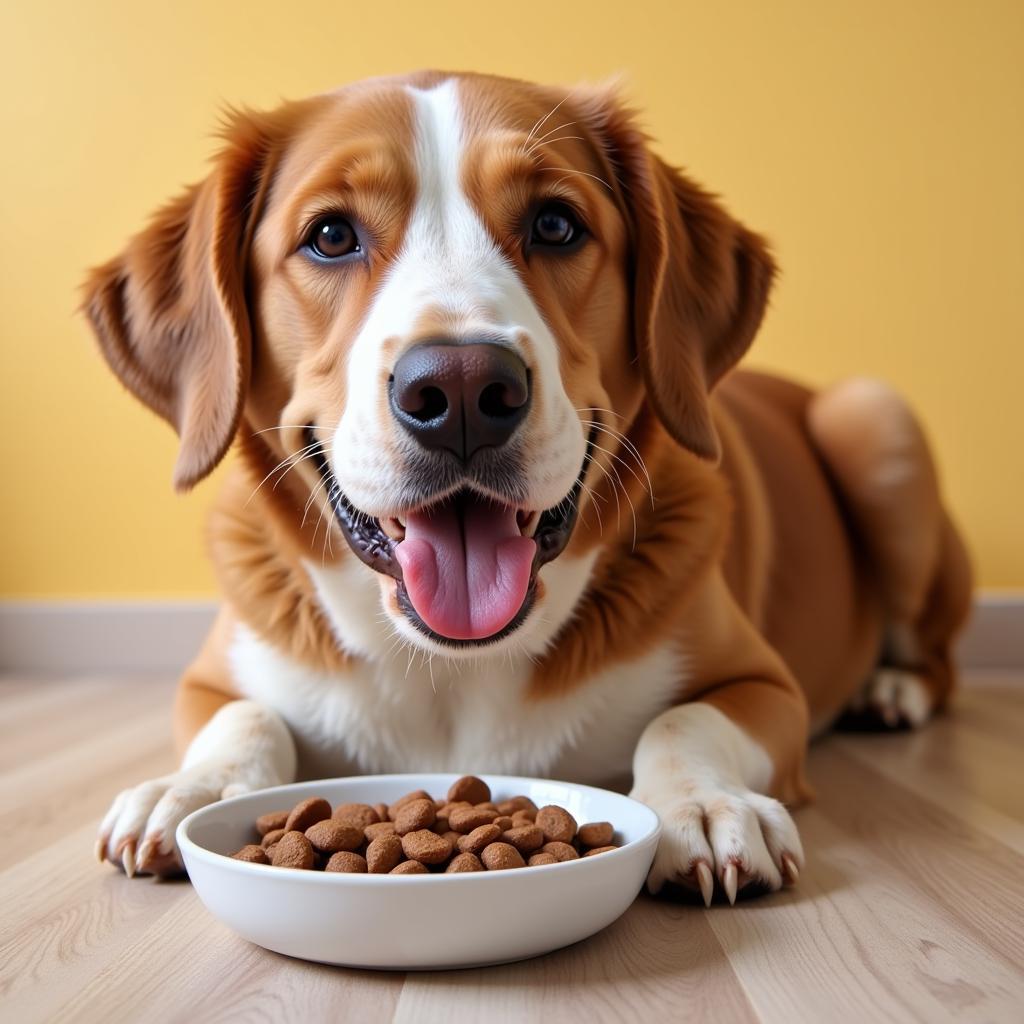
pixel 170 311
pixel 701 279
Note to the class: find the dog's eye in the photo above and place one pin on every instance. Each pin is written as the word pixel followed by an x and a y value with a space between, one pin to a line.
pixel 333 237
pixel 555 224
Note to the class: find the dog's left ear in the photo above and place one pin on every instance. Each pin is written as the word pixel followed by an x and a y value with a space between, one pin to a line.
pixel 701 279
pixel 170 312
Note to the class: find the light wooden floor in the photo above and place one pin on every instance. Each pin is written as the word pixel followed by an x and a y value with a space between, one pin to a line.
pixel 911 906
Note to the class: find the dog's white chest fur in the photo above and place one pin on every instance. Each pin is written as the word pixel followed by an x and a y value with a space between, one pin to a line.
pixel 396 712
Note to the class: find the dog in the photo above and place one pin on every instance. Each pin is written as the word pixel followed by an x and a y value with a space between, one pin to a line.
pixel 499 504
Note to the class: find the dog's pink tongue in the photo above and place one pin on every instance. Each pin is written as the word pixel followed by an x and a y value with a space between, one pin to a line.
pixel 466 567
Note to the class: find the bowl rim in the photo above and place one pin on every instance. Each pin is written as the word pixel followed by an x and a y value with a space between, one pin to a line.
pixel 189 846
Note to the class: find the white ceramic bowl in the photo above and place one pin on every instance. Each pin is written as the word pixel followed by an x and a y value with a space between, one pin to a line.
pixel 417 921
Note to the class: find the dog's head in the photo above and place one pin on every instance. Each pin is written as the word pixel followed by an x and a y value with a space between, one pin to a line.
pixel 445 300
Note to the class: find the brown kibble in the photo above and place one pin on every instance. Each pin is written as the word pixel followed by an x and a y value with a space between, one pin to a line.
pixel 252 854
pixel 523 817
pixel 480 837
pixel 426 847
pixel 596 833
pixel 409 867
pixel 599 849
pixel 330 836
pixel 378 829
pixel 382 811
pixel 384 854
pixel 539 859
pixel 415 815
pixel 271 838
pixel 452 837
pixel 294 850
pixel 470 788
pixel 307 813
pixel 525 839
pixel 464 862
pixel 486 805
pixel 360 815
pixel 271 822
pixel 465 819
pixel 269 851
pixel 501 857
pixel 516 803
pixel 416 794
pixel 560 851
pixel 558 825
pixel 504 822
pixel 347 862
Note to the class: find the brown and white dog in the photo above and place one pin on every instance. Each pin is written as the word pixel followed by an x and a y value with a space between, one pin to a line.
pixel 485 515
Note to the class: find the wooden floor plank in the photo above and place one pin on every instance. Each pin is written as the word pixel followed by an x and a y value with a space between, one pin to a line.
pixel 657 962
pixel 908 909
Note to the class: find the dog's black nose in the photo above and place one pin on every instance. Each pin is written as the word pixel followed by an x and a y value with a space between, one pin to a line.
pixel 462 397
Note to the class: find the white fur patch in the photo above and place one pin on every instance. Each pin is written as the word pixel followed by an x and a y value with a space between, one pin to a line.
pixel 704 776
pixel 412 713
pixel 449 263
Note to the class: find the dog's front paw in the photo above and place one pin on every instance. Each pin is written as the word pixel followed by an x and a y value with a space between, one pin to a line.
pixel 137 833
pixel 743 839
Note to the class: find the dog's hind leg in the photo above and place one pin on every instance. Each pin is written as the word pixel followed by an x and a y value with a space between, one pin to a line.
pixel 879 459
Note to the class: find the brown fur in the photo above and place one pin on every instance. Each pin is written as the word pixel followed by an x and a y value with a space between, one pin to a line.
pixel 767 553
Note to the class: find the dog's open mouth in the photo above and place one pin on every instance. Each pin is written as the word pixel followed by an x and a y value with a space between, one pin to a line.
pixel 466 565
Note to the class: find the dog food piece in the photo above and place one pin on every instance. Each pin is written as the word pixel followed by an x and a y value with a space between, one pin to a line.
pixel 293 850
pixel 346 861
pixel 271 822
pixel 307 813
pixel 384 854
pixel 504 822
pixel 378 829
pixel 463 862
pixel 469 788
pixel 480 837
pixel 523 817
pixel 415 815
pixel 501 857
pixel 596 833
pixel 557 824
pixel 560 851
pixel 409 867
pixel 452 837
pixel 382 811
pixel 271 838
pixel 526 838
pixel 356 814
pixel 489 807
pixel 330 836
pixel 426 847
pixel 252 854
pixel 516 803
pixel 269 851
pixel 599 849
pixel 416 794
pixel 465 819
pixel 541 858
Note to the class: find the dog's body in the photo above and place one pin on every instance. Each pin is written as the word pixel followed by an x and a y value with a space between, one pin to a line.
pixel 696 619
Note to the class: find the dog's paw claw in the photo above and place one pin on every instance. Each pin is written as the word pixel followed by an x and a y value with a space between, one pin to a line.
pixel 790 871
pixel 128 858
pixel 706 881
pixel 730 880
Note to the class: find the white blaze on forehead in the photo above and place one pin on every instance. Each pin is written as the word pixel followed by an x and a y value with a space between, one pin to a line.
pixel 448 264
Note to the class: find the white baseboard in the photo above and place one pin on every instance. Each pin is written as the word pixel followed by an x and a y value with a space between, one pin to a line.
pixel 82 637
pixel 160 638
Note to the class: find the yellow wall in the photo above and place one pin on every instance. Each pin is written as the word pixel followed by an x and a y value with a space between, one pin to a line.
pixel 879 143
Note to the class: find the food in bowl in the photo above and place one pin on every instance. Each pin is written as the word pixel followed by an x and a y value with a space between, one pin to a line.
pixel 418 833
